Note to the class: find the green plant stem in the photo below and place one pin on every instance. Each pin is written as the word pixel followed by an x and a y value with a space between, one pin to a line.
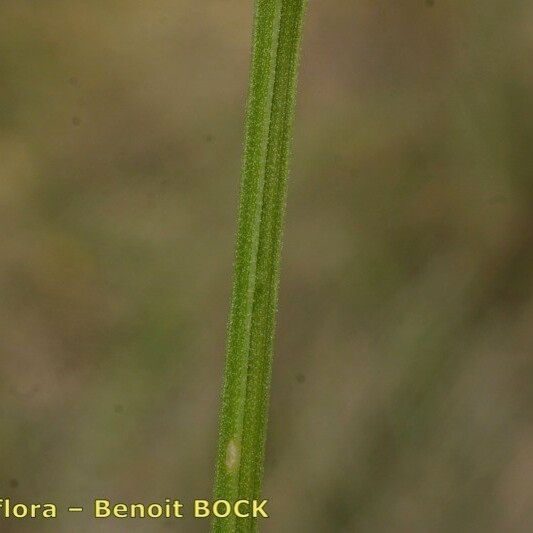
pixel 245 401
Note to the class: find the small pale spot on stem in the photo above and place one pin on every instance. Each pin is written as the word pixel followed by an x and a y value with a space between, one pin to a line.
pixel 232 456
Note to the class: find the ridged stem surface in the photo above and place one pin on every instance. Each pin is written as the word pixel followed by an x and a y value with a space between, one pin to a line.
pixel 243 419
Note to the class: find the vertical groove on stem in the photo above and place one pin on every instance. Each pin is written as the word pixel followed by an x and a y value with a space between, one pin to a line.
pixel 243 419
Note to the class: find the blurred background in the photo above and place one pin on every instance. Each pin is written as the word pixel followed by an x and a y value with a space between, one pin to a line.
pixel 402 389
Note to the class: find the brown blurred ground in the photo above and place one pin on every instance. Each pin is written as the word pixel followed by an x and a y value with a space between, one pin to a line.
pixel 402 395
